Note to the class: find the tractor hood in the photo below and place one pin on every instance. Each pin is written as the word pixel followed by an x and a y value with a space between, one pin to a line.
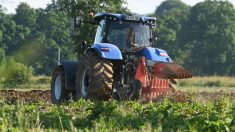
pixel 155 54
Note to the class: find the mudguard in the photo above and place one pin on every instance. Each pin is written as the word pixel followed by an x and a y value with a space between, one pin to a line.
pixel 155 54
pixel 70 70
pixel 108 51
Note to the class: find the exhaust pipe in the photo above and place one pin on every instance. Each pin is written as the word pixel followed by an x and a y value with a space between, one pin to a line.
pixel 58 60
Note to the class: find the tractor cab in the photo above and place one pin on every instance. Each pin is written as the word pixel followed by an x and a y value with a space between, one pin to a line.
pixel 126 32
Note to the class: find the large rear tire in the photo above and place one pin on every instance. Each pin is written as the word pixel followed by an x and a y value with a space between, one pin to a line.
pixel 58 91
pixel 94 77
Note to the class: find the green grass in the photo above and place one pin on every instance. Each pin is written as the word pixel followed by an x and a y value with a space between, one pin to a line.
pixel 213 81
pixel 207 84
pixel 36 82
pixel 207 89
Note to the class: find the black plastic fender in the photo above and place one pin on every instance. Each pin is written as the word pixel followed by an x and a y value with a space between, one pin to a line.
pixel 70 69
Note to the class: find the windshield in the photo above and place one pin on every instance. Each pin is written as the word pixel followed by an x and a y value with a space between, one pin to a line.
pixel 126 35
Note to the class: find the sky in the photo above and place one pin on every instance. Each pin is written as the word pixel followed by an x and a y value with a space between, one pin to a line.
pixel 137 6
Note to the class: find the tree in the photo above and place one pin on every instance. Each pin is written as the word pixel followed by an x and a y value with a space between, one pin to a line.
pixel 8 31
pixel 17 28
pixel 56 31
pixel 171 14
pixel 2 56
pixel 2 15
pixel 33 37
pixel 4 19
pixel 170 5
pixel 25 15
pixel 209 37
pixel 82 8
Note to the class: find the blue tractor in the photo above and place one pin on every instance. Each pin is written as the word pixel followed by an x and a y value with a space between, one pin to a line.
pixel 108 69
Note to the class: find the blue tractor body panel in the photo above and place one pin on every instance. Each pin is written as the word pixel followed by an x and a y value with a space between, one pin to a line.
pixel 155 54
pixel 101 15
pixel 122 17
pixel 108 51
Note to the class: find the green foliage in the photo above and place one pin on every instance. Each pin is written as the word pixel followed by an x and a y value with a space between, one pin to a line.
pixel 201 37
pixel 81 8
pixel 208 36
pixel 171 5
pixel 25 15
pixel 119 116
pixel 2 56
pixel 15 73
pixel 54 31
pixel 171 15
pixel 33 37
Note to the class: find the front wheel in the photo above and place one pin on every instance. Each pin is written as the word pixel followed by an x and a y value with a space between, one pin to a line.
pixel 58 91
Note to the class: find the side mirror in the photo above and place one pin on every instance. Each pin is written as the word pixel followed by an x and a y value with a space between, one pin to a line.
pixel 77 23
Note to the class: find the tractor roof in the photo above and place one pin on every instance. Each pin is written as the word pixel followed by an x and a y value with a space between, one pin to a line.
pixel 123 17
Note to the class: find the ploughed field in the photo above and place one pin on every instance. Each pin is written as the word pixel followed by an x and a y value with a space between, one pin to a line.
pixel 26 96
pixel 34 96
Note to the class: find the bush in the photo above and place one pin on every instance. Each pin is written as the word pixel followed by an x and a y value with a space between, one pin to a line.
pixel 16 73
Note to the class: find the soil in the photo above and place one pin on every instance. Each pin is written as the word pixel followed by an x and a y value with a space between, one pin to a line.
pixel 26 96
pixel 45 96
